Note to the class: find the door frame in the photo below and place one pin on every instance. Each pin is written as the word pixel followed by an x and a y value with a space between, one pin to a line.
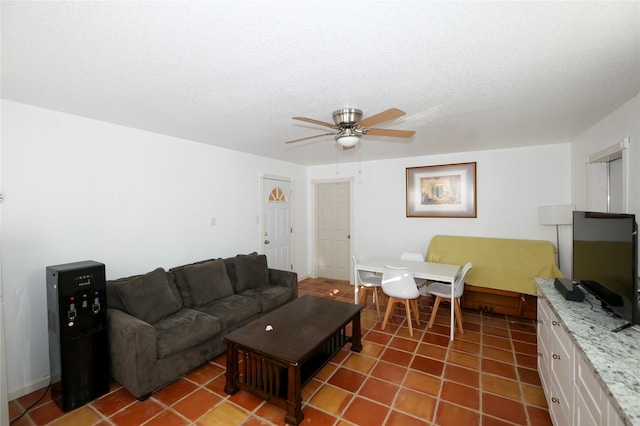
pixel 314 215
pixel 290 180
pixel 597 167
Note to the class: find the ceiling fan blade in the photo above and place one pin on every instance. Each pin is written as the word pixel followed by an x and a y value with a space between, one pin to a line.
pixel 381 117
pixel 390 132
pixel 318 122
pixel 309 137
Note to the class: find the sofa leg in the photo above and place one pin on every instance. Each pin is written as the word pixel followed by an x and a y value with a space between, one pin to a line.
pixel 145 397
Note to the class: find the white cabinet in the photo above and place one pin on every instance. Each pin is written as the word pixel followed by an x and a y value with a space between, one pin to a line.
pixel 592 405
pixel 589 396
pixel 555 364
pixel 574 393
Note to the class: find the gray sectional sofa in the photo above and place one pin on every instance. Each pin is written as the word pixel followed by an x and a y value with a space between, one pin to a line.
pixel 165 323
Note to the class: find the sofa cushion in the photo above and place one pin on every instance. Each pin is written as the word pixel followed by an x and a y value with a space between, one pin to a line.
pixel 207 281
pixel 183 330
pixel 232 310
pixel 230 264
pixel 251 272
pixel 148 297
pixel 183 287
pixel 270 297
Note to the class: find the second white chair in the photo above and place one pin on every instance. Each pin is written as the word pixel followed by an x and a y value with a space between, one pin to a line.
pixel 443 291
pixel 399 285
pixel 367 281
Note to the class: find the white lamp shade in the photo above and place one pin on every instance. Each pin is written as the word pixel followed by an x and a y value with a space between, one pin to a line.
pixel 556 215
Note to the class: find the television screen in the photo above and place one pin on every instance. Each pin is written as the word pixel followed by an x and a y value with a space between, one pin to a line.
pixel 605 260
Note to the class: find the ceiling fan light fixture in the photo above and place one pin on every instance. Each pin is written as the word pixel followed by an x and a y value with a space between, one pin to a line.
pixel 348 141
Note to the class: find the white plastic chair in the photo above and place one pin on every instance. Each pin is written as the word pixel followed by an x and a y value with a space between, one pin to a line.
pixel 367 281
pixel 443 291
pixel 419 258
pixel 399 285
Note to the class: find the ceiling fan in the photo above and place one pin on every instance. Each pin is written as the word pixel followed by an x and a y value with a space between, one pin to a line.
pixel 350 127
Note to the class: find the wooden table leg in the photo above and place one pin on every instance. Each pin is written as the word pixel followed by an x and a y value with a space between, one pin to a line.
pixel 232 372
pixel 356 338
pixel 294 395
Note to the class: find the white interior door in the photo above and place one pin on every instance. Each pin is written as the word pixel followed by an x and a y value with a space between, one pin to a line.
pixel 277 228
pixel 615 186
pixel 598 187
pixel 608 174
pixel 333 227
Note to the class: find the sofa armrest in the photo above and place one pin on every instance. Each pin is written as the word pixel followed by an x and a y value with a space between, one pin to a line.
pixel 285 279
pixel 133 350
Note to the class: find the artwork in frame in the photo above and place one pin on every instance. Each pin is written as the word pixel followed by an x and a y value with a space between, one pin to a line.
pixel 442 191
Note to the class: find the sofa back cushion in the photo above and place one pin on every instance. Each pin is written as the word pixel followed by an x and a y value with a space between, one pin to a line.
pixel 251 272
pixel 207 281
pixel 230 264
pixel 148 297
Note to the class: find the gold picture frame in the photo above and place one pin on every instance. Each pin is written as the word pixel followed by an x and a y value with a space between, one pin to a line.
pixel 447 190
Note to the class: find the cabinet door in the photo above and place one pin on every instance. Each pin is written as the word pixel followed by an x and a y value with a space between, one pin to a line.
pixel 613 418
pixel 544 347
pixel 562 368
pixel 591 407
pixel 552 358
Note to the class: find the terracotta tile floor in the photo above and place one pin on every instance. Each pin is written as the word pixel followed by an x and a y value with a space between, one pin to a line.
pixel 487 376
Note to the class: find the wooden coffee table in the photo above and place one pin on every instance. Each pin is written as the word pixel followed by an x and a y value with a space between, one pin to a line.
pixel 275 364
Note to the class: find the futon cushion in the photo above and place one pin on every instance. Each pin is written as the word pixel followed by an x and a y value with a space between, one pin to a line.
pixel 183 330
pixel 251 272
pixel 207 281
pixel 148 297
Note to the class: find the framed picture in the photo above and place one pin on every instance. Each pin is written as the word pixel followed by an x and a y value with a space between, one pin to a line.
pixel 442 191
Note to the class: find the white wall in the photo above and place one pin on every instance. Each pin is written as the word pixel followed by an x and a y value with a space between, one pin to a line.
pixel 79 189
pixel 511 184
pixel 622 123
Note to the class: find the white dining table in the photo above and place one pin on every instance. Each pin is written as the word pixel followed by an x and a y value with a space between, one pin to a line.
pixel 443 272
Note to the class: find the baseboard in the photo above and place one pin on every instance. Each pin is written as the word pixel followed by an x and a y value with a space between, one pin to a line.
pixel 26 390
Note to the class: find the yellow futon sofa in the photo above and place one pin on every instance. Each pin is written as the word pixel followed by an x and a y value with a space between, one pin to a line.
pixel 502 278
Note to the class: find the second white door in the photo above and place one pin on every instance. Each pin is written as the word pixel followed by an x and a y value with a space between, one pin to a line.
pixel 333 227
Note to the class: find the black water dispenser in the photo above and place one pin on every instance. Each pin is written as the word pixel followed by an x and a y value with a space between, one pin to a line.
pixel 78 341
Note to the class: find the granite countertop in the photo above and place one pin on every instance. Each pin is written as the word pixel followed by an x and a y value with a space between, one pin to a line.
pixel 615 357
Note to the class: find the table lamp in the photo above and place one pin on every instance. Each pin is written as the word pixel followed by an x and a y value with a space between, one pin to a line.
pixel 556 215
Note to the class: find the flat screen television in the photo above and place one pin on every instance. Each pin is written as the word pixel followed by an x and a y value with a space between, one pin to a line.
pixel 605 260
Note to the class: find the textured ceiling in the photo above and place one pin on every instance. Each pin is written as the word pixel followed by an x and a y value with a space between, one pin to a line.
pixel 469 75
